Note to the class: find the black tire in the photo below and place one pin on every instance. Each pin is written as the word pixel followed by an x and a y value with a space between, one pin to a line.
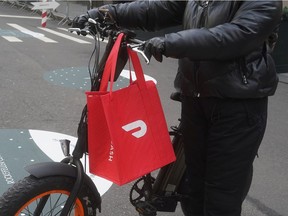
pixel 23 197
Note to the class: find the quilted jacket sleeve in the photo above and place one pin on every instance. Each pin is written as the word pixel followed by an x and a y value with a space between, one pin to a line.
pixel 148 15
pixel 251 25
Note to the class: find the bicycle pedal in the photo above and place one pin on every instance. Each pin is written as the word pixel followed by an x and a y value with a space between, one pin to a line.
pixel 145 209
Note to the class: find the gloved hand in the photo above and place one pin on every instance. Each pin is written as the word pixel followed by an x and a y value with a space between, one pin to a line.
pixel 155 47
pixel 80 21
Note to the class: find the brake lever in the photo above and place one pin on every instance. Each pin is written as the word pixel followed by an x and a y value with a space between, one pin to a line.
pixel 74 29
pixel 139 49
pixel 79 31
pixel 90 20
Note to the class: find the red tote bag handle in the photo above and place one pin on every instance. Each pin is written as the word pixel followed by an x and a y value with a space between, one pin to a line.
pixel 137 67
pixel 110 66
pixel 111 63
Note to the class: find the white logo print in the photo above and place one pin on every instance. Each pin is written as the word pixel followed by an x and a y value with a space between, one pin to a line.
pixel 136 124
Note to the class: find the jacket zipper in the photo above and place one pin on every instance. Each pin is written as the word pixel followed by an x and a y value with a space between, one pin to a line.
pixel 243 71
pixel 196 65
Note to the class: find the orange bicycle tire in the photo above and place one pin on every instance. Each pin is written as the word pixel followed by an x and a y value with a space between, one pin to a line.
pixel 78 205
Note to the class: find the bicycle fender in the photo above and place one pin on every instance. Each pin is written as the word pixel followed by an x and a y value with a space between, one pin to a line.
pixel 45 169
pixel 40 170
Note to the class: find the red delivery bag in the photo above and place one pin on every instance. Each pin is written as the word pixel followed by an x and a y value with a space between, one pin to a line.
pixel 127 130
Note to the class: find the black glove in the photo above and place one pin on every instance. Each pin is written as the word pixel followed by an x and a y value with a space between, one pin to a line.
pixel 80 21
pixel 155 47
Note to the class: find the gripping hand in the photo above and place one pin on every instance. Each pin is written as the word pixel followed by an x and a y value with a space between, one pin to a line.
pixel 155 47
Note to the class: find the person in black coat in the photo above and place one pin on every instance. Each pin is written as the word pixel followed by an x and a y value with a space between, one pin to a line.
pixel 225 76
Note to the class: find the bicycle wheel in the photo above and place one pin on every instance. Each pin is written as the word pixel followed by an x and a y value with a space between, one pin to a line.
pixel 45 196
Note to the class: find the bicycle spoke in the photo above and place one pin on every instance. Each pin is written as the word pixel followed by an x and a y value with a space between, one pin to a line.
pixel 53 203
pixel 41 205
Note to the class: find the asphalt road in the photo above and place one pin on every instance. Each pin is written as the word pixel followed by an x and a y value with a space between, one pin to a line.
pixel 42 87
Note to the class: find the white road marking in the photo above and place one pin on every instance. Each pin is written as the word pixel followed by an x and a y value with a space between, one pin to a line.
pixel 21 17
pixel 49 143
pixel 66 30
pixel 33 34
pixel 12 39
pixel 41 36
pixel 64 36
pixel 87 36
pixel 126 74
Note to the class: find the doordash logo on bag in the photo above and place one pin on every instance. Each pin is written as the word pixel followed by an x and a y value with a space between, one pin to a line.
pixel 134 125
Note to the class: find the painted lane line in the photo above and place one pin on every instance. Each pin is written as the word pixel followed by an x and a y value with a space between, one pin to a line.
pixel 12 39
pixel 65 36
pixel 87 36
pixel 66 30
pixel 31 33
pixel 21 17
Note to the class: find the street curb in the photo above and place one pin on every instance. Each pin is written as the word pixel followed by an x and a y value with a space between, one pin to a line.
pixel 283 77
pixel 54 15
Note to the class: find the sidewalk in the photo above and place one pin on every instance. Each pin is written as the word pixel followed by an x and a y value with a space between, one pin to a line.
pixel 283 77
pixel 67 10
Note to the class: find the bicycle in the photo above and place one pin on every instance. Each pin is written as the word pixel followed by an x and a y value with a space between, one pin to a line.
pixel 63 188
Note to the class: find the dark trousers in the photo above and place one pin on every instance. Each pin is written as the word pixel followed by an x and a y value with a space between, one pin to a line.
pixel 221 140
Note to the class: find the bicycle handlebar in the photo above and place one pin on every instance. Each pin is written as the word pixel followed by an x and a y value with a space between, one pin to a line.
pixel 112 30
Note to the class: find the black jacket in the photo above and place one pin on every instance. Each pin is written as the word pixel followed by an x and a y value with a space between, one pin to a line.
pixel 223 50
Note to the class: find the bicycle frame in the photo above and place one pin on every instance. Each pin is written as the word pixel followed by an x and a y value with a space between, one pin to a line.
pixel 159 194
pixel 162 193
pixel 81 147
